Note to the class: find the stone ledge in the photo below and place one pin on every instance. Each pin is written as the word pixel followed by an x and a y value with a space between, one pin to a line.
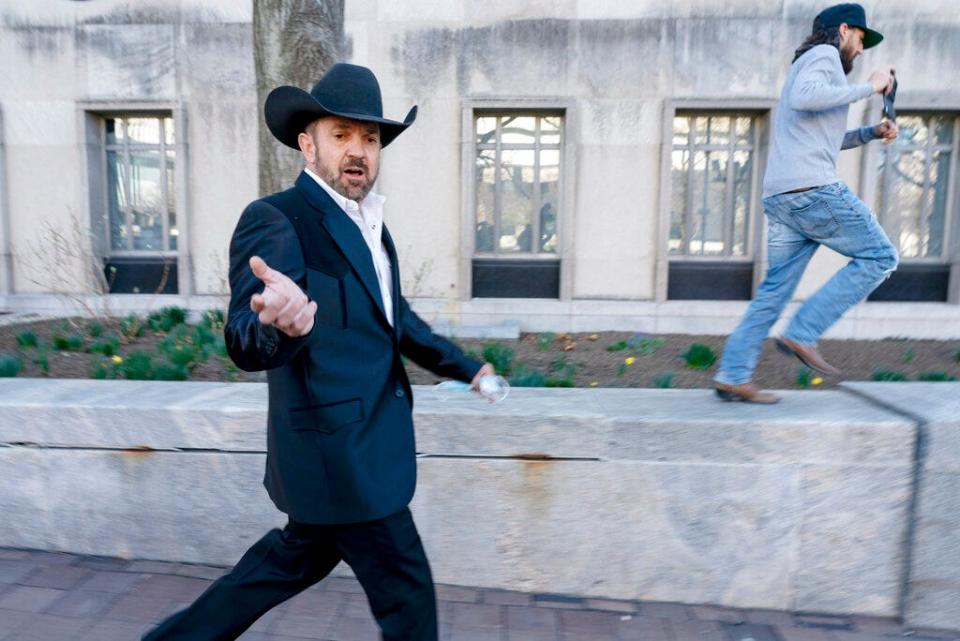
pixel 663 495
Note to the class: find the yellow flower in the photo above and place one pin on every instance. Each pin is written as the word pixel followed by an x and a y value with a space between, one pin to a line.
pixel 629 360
pixel 594 383
pixel 116 360
pixel 817 380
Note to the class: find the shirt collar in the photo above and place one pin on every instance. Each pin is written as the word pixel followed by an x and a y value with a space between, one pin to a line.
pixel 372 201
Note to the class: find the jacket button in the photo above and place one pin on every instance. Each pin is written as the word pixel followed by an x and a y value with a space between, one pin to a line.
pixel 398 392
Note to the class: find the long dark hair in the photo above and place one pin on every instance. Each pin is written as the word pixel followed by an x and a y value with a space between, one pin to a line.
pixel 821 36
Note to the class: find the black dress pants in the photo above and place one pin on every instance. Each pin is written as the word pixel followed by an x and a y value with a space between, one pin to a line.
pixel 386 555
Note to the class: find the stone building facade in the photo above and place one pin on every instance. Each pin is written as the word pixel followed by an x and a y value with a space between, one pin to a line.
pixel 576 164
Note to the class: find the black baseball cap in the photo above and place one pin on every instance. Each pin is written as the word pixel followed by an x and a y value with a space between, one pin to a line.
pixel 853 15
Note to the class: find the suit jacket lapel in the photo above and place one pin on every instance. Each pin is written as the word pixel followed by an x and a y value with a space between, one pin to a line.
pixel 346 234
pixel 394 277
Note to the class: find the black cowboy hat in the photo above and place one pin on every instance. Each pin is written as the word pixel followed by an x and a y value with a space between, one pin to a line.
pixel 853 15
pixel 348 91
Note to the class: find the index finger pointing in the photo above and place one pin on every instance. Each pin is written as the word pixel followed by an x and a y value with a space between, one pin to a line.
pixel 261 270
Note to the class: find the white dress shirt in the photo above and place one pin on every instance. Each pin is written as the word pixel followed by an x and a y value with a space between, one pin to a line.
pixel 368 216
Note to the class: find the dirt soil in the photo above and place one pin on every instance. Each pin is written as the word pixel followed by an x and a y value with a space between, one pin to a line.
pixel 582 360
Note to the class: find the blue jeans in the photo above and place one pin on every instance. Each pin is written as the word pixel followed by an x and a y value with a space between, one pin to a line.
pixel 797 224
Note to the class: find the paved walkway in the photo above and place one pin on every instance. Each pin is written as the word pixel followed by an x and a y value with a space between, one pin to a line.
pixel 62 597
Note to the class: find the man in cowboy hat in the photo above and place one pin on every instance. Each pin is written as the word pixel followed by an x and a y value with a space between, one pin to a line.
pixel 316 301
pixel 807 205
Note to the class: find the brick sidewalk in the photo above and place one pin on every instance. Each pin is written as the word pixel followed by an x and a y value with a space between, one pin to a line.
pixel 61 597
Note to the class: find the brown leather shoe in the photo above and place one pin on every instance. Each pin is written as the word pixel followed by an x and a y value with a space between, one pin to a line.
pixel 746 393
pixel 808 355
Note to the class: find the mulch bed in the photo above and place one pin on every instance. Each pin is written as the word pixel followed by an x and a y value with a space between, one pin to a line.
pixel 581 360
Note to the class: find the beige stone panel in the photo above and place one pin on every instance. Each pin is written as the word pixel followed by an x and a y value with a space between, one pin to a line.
pixel 222 139
pixel 420 177
pixel 40 123
pixel 366 10
pixel 706 65
pixel 30 54
pixel 619 122
pixel 614 238
pixel 623 59
pixel 481 11
pixel 49 224
pixel 420 11
pixel 132 62
pixel 215 61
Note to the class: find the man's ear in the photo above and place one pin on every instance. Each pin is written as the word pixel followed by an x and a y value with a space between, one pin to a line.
pixel 307 148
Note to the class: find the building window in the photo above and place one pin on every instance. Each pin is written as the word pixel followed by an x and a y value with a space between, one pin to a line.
pixel 141 216
pixel 712 176
pixel 912 204
pixel 517 201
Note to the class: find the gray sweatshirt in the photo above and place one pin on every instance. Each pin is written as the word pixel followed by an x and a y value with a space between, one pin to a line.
pixel 810 125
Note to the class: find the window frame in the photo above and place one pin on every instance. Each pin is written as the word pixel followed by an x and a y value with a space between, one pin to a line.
pixel 470 109
pixel 92 117
pixel 762 110
pixel 869 179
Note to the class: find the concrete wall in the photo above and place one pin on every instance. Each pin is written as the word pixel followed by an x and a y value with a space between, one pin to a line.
pixel 805 507
pixel 618 67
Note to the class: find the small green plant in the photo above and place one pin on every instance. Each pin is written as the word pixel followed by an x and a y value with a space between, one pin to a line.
pixel 908 355
pixel 165 319
pixel 213 319
pixel 935 377
pixel 230 371
pixel 563 368
pixel 95 329
pixel 170 372
pixel 559 382
pixel 619 346
pixel 102 369
pixel 804 377
pixel 956 355
pixel 664 380
pixel 887 375
pixel 186 347
pixel 699 356
pixel 27 339
pixel 131 326
pixel 528 377
pixel 544 340
pixel 10 364
pixel 500 356
pixel 137 366
pixel 42 361
pixel 203 335
pixel 108 345
pixel 71 343
pixel 219 347
pixel 645 345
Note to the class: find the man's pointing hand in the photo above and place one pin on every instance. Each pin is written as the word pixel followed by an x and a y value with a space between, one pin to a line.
pixel 281 303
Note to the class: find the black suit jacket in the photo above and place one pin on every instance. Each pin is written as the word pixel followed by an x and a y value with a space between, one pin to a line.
pixel 340 443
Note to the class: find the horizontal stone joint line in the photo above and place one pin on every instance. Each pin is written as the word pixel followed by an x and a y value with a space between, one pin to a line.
pixel 143 450
pixel 533 458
